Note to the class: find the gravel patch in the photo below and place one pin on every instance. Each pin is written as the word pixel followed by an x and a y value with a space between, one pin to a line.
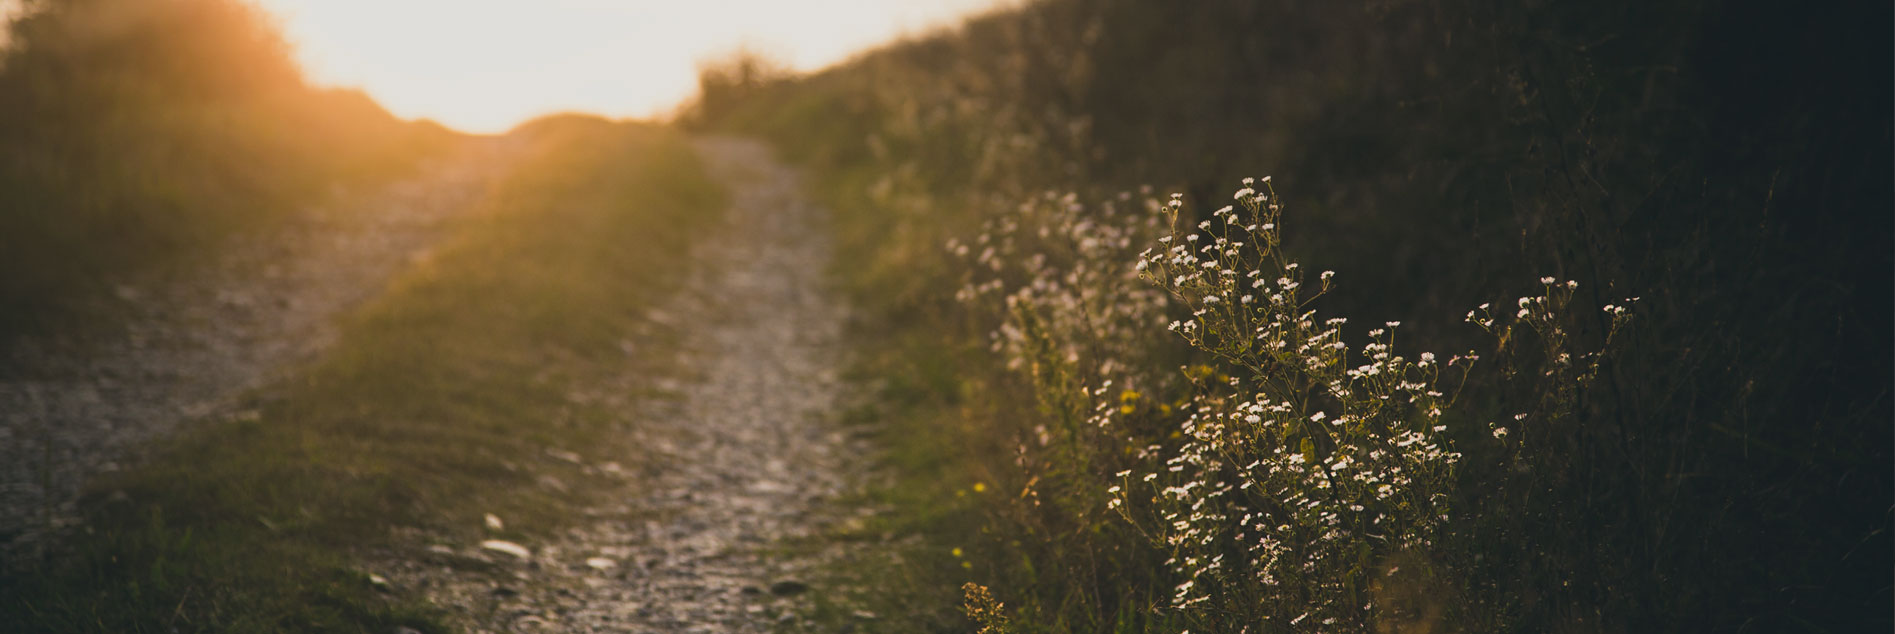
pixel 196 339
pixel 744 459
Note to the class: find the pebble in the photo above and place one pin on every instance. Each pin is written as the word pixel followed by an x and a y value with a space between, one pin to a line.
pixel 504 546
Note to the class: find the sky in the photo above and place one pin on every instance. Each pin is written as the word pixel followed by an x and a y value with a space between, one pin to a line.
pixel 485 65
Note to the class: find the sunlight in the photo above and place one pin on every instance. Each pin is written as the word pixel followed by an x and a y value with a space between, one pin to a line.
pixel 485 65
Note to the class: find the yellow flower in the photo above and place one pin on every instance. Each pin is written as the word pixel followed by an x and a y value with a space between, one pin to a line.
pixel 980 487
pixel 957 553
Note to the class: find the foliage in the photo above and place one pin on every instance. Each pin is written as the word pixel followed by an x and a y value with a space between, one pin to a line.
pixel 1737 433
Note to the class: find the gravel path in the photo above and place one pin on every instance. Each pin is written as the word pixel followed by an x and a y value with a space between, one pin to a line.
pixel 197 339
pixel 747 456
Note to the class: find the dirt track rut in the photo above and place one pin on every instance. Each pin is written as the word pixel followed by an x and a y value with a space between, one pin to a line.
pixel 197 339
pixel 747 456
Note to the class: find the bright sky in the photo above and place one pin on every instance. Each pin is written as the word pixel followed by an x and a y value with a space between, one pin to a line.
pixel 485 65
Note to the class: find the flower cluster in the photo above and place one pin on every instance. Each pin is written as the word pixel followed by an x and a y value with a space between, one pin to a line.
pixel 1290 466
pixel 1564 372
pixel 1059 271
pixel 1311 462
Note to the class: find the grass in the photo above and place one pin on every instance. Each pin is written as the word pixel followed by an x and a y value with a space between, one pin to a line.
pixel 1437 156
pixel 435 407
pixel 135 134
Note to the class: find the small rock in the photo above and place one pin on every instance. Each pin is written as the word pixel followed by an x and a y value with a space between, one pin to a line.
pixel 601 563
pixel 494 523
pixel 380 582
pixel 403 629
pixel 788 587
pixel 504 546
pixel 770 486
pixel 564 455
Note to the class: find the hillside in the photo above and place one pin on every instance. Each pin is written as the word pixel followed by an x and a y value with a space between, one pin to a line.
pixel 1692 434
pixel 134 134
pixel 1081 316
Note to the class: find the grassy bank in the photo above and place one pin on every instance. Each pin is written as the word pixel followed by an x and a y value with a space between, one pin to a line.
pixel 134 134
pixel 1672 472
pixel 437 406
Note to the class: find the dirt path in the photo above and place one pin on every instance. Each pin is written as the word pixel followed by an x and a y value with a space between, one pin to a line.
pixel 748 454
pixel 198 339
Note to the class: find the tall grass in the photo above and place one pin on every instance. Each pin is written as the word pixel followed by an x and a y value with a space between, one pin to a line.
pixel 1723 466
pixel 133 132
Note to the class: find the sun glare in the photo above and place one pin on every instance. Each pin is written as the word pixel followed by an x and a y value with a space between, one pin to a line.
pixel 485 65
